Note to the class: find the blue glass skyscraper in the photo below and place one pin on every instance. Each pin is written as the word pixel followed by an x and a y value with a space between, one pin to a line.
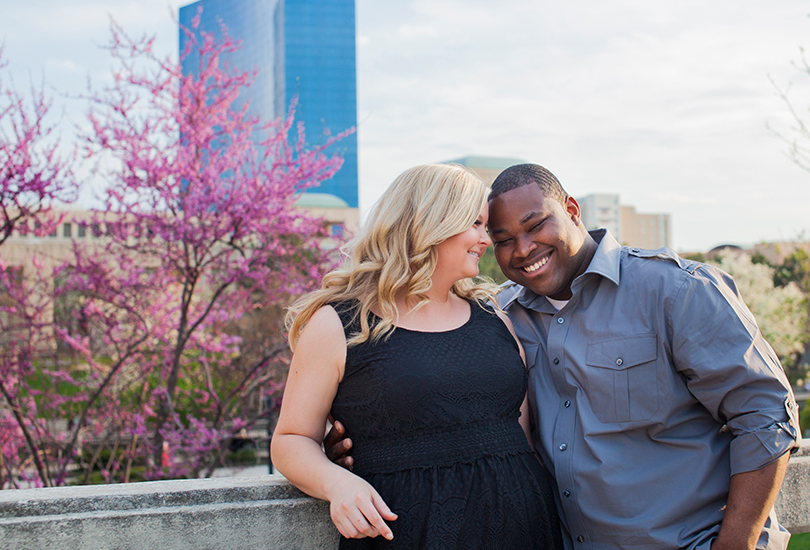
pixel 303 47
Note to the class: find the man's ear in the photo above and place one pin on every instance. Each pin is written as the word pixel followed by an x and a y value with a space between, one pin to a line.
pixel 574 212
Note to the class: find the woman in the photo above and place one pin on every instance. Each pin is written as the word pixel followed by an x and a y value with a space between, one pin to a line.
pixel 428 381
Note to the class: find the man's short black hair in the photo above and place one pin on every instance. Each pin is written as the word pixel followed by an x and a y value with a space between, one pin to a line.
pixel 524 174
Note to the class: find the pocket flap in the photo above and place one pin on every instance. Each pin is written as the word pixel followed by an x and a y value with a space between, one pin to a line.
pixel 623 353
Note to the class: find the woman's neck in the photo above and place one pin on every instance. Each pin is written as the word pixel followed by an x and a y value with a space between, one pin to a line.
pixel 443 311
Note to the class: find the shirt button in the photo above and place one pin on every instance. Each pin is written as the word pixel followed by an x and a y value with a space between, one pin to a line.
pixel 567 493
pixel 563 447
pixel 556 361
pixel 619 361
pixel 567 403
pixel 580 539
pixel 560 320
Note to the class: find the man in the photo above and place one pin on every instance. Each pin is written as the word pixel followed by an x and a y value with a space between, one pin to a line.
pixel 663 415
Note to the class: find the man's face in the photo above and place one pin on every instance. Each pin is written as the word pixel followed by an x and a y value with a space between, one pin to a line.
pixel 538 241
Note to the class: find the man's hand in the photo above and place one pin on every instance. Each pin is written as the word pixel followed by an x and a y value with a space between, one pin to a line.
pixel 336 445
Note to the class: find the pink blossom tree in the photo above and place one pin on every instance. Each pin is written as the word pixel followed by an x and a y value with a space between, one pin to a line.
pixel 201 220
pixel 172 317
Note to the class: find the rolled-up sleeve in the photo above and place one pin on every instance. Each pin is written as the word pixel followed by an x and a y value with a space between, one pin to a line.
pixel 731 369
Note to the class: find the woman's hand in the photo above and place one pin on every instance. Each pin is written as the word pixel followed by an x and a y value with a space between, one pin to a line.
pixel 358 511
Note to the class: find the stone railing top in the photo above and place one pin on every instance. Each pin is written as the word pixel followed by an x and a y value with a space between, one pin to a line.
pixel 247 513
pixel 244 513
pixel 148 494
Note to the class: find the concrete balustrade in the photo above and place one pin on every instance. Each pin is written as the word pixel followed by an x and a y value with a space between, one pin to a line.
pixel 793 502
pixel 224 513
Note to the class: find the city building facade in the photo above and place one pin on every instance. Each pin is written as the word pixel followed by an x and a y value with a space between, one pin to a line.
pixel 84 226
pixel 644 230
pixel 602 210
pixel 630 228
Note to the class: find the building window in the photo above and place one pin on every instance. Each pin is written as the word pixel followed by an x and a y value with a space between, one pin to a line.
pixel 82 230
pixel 96 230
pixel 66 229
pixel 336 230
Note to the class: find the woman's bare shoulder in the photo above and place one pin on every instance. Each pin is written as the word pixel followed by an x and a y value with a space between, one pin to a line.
pixel 326 322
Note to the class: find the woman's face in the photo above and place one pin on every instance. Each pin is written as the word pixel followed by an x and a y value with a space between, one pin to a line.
pixel 458 255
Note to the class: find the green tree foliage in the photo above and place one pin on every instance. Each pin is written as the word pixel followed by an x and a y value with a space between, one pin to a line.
pixel 488 267
pixel 759 258
pixel 696 257
pixel 795 269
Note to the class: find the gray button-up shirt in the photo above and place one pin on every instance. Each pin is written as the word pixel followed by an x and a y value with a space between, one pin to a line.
pixel 649 389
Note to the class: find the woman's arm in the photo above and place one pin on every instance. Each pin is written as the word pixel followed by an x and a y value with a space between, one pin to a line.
pixel 315 371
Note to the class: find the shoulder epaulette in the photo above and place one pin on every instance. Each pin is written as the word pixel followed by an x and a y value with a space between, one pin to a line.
pixel 665 253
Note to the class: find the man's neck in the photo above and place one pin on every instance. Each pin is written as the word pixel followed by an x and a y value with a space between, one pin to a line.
pixel 587 251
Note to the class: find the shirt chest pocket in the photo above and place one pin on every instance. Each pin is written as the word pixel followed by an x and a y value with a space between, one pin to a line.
pixel 622 380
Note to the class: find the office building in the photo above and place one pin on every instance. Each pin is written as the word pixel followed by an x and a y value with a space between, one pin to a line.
pixel 299 47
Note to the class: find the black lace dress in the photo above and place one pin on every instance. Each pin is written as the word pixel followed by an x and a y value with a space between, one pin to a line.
pixel 434 421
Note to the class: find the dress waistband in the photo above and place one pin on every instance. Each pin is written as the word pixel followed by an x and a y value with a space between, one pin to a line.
pixel 449 446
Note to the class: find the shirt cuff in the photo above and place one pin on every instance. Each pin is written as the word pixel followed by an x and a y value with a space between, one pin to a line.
pixel 755 450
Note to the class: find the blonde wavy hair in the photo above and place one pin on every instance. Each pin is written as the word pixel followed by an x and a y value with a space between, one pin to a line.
pixel 396 250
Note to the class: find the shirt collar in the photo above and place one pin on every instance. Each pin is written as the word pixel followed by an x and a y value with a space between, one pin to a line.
pixel 606 262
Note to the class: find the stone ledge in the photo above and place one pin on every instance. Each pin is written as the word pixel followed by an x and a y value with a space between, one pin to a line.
pixel 149 494
pixel 793 503
pixel 225 513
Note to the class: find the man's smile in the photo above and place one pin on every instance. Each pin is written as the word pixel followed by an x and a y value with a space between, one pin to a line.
pixel 538 264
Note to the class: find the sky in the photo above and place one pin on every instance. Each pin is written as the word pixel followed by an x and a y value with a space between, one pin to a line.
pixel 674 105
